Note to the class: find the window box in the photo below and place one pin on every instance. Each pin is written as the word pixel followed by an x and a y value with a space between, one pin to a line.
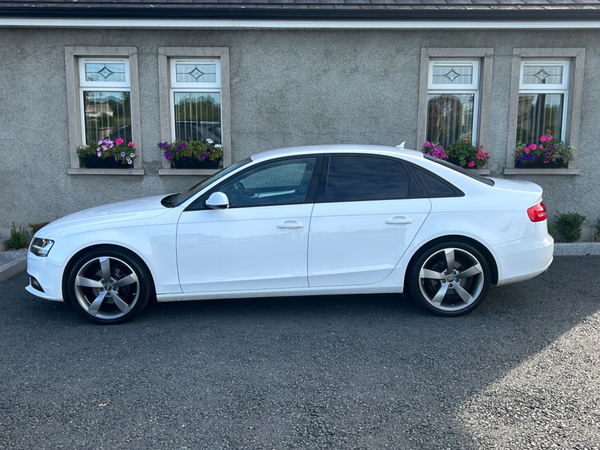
pixel 195 163
pixel 93 162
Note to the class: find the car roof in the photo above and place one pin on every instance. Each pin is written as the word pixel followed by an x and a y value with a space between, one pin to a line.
pixel 315 149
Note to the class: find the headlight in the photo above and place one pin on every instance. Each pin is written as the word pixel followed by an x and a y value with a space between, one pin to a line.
pixel 41 247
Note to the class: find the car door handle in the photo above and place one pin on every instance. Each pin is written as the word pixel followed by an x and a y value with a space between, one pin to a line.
pixel 290 224
pixel 398 220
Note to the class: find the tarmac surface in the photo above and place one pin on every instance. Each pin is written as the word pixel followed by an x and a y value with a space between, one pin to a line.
pixel 345 372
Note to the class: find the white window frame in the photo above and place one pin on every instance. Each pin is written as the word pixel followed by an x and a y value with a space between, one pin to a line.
pixel 562 88
pixel 105 86
pixel 486 58
pixel 467 89
pixel 192 87
pixel 573 103
pixel 168 86
pixel 75 58
pixel 179 84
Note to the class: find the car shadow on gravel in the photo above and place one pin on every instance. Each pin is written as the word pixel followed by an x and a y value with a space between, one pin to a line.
pixel 334 372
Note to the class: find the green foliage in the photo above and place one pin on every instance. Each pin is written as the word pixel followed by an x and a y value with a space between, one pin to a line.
pixel 200 149
pixel 552 230
pixel 597 231
pixel 35 227
pixel 569 226
pixel 19 238
pixel 467 154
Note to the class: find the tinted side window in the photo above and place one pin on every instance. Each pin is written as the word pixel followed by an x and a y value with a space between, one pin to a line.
pixel 436 186
pixel 360 178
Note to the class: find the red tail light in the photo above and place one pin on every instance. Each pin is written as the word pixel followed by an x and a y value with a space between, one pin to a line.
pixel 537 213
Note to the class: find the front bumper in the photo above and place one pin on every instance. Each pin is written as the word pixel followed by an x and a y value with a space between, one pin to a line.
pixel 48 275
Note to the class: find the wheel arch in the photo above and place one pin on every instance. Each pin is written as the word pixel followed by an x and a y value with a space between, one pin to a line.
pixel 455 237
pixel 75 257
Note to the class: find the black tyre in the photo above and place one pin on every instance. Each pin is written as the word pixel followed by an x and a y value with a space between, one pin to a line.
pixel 109 286
pixel 449 278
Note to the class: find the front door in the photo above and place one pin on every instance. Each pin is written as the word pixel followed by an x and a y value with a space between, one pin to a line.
pixel 260 242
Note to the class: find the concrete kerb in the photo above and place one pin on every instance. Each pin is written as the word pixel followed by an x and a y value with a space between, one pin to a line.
pixel 13 263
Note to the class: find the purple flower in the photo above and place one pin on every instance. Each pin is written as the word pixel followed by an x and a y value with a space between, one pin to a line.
pixel 123 154
pixel 203 157
pixel 131 155
pixel 128 161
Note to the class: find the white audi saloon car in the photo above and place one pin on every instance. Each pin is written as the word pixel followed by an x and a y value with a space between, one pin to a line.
pixel 317 220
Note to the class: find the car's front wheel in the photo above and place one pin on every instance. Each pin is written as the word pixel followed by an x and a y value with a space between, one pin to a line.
pixel 109 286
pixel 449 278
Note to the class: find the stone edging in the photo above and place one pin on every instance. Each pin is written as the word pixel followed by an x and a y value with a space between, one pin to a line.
pixel 577 249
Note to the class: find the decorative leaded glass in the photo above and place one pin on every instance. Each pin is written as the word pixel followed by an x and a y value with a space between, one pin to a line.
pixel 198 115
pixel 452 74
pixel 542 74
pixel 196 73
pixel 105 72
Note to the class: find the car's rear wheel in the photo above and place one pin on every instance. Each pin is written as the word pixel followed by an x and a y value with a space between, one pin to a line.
pixel 109 286
pixel 449 278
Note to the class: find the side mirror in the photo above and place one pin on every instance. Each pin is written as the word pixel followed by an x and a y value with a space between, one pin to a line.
pixel 217 200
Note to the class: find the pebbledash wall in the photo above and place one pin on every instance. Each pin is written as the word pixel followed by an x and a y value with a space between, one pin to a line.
pixel 287 88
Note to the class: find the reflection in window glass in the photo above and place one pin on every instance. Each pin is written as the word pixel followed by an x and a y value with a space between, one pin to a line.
pixel 538 113
pixel 450 118
pixel 361 178
pixel 198 115
pixel 107 115
pixel 277 183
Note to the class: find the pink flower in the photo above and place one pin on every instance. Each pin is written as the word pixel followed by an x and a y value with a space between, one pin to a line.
pixel 533 146
pixel 465 141
pixel 118 141
pixel 471 164
pixel 426 144
pixel 131 144
pixel 526 149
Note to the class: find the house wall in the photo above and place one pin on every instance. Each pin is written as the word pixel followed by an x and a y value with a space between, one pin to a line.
pixel 288 87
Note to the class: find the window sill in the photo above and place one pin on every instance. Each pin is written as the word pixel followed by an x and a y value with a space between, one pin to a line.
pixel 84 171
pixel 184 172
pixel 515 171
pixel 480 171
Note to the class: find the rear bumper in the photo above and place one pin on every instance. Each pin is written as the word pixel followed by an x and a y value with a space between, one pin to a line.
pixel 524 259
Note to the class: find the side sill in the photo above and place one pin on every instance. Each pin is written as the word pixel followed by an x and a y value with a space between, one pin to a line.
pixel 516 171
pixel 193 172
pixel 83 171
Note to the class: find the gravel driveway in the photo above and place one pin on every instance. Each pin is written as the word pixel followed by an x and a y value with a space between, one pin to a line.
pixel 348 372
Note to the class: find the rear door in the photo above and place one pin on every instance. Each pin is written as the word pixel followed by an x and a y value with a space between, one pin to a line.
pixel 368 210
